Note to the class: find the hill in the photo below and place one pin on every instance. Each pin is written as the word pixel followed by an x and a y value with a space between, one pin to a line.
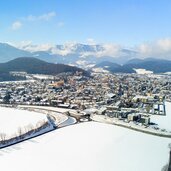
pixel 134 61
pixel 155 65
pixel 35 66
pixel 107 64
pixel 151 64
pixel 114 67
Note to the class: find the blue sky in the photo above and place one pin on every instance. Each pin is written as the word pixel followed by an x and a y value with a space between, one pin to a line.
pixel 126 22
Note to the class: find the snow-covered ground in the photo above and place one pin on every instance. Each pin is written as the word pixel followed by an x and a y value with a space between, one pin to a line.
pixel 22 81
pixel 100 70
pixel 164 122
pixel 143 71
pixel 168 73
pixel 88 147
pixel 11 119
pixel 42 76
pixel 57 109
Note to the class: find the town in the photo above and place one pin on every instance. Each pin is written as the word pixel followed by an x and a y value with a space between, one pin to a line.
pixel 127 97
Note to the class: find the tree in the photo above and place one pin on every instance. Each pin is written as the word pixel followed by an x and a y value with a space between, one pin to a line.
pixel 20 132
pixel 7 98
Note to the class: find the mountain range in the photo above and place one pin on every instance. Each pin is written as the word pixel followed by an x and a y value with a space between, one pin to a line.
pixel 108 57
pixel 67 54
pixel 150 64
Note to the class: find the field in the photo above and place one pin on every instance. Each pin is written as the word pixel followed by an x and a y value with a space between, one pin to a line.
pixel 11 119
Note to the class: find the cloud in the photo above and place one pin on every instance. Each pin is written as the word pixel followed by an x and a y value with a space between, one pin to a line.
pixel 98 51
pixel 33 48
pixel 43 17
pixel 165 44
pixel 67 48
pixel 158 49
pixel 63 50
pixel 16 25
pixel 112 50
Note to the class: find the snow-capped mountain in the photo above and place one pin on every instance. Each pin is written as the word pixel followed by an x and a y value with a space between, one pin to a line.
pixel 70 53
pixel 85 56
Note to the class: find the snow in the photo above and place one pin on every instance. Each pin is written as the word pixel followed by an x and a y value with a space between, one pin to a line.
pixel 90 65
pixel 143 71
pixel 12 82
pixel 56 109
pixel 164 122
pixel 167 73
pixel 11 119
pixel 100 70
pixel 81 62
pixel 42 76
pixel 88 146
pixel 69 121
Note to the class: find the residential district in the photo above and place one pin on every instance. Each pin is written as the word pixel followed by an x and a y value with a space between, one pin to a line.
pixel 129 98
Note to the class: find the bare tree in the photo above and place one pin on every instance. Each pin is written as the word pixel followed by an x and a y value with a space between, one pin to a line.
pixel 20 132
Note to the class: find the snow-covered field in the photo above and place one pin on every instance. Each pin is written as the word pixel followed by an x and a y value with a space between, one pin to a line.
pixel 88 147
pixel 22 81
pixel 42 76
pixel 100 70
pixel 11 119
pixel 164 122
pixel 143 71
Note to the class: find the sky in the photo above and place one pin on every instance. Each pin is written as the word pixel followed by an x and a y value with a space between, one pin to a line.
pixel 125 22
